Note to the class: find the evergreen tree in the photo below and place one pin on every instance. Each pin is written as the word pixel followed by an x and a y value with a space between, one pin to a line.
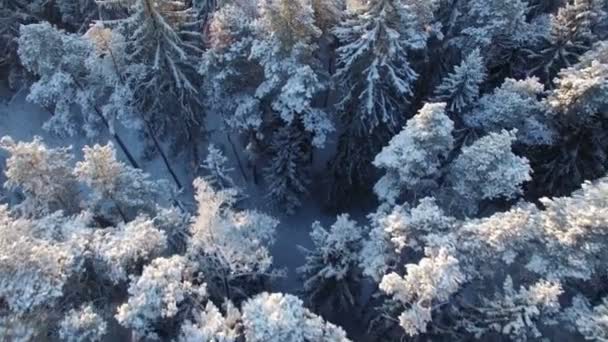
pixel 376 78
pixel 163 43
pixel 287 173
pixel 331 271
pixel 413 157
pixel 58 59
pixel 230 248
pixel 65 85
pixel 577 104
pixel 516 104
pixel 296 323
pixel 42 174
pixel 488 170
pixel 83 324
pixel 460 88
pixel 571 35
pixel 219 173
pixel 231 76
pixel 117 189
pixel 165 289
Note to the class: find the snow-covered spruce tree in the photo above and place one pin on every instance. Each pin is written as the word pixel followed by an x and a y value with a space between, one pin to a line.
pixel 460 88
pixel 571 35
pixel 219 174
pixel 577 104
pixel 375 79
pixel 285 47
pixel 230 248
pixel 287 172
pixel 331 271
pixel 166 288
pixel 495 21
pixel 413 157
pixel 163 40
pixel 119 190
pixel 277 317
pixel 516 104
pixel 487 170
pixel 42 174
pixel 502 30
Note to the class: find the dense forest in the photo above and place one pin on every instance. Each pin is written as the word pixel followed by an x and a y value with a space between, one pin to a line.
pixel 454 154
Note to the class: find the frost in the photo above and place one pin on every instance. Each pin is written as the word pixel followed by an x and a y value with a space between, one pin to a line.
pixel 281 317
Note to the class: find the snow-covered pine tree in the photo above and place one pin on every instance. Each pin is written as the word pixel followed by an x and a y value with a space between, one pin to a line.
pixel 487 170
pixel 376 79
pixel 571 35
pixel 231 77
pixel 119 190
pixel 460 88
pixel 230 248
pixel 516 314
pixel 427 285
pixel 296 323
pixel 516 104
pixel 42 174
pixel 211 324
pixel 66 86
pixel 166 288
pixel 331 271
pixel 526 248
pixel 287 172
pixel 58 59
pixel 163 43
pixel 285 45
pixel 122 250
pixel 37 267
pixel 413 157
pixel 398 231
pixel 577 103
pixel 83 324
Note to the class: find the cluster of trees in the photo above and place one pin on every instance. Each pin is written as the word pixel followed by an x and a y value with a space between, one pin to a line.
pixel 478 125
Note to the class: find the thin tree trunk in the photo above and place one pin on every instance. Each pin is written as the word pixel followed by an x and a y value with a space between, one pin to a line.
pixel 118 140
pixel 149 129
pixel 236 155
